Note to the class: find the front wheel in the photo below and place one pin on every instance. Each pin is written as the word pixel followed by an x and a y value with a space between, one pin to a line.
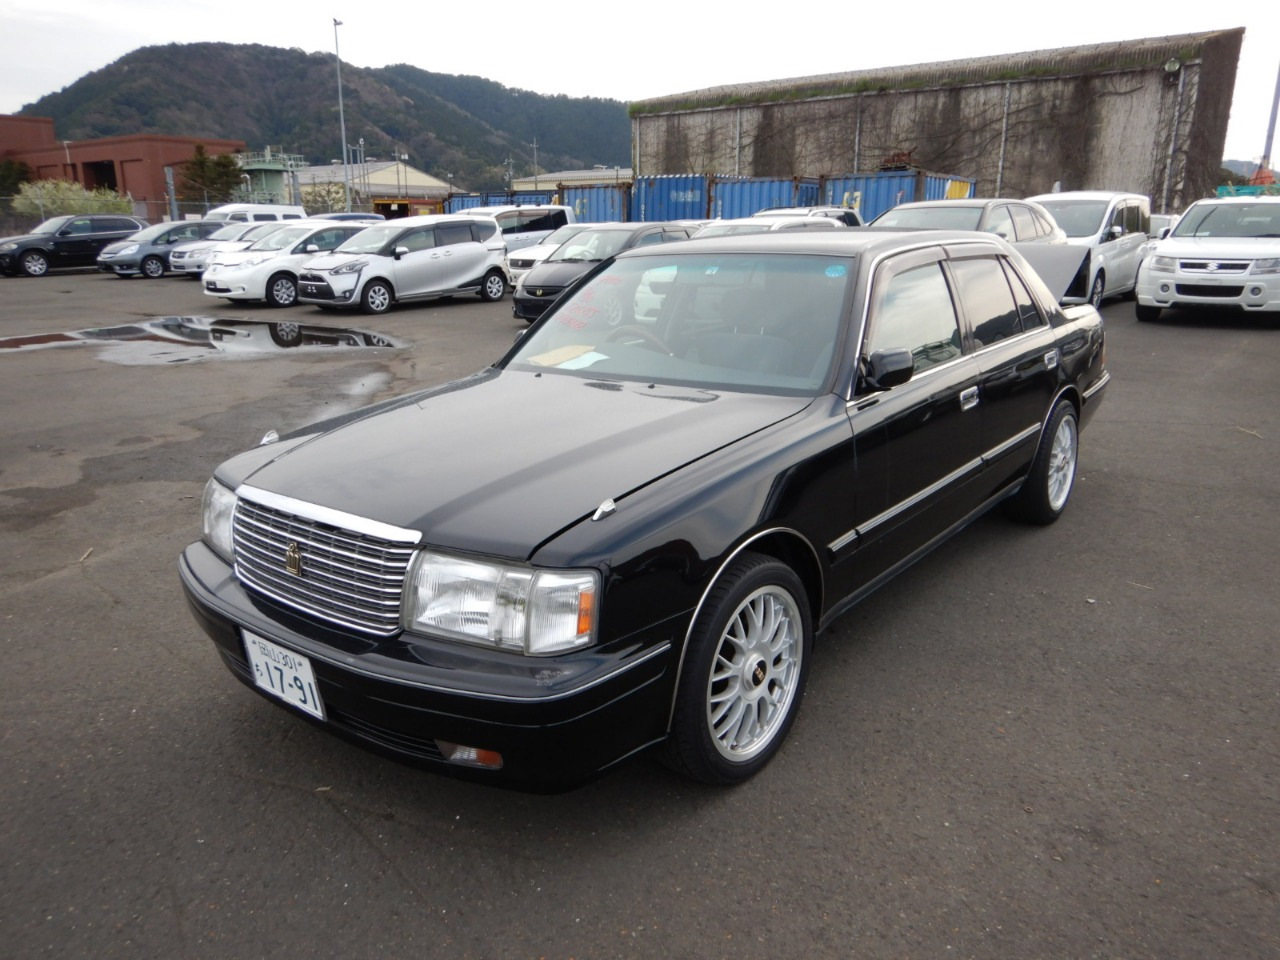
pixel 1048 486
pixel 377 297
pixel 152 267
pixel 1095 294
pixel 744 673
pixel 282 291
pixel 1146 314
pixel 35 263
pixel 493 287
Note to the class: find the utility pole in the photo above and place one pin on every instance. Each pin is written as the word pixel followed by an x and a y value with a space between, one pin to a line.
pixel 342 119
pixel 1265 164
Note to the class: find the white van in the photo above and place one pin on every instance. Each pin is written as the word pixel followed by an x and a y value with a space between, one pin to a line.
pixel 524 226
pixel 1114 227
pixel 248 212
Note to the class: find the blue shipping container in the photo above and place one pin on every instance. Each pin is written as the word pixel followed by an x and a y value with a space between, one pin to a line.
pixel 679 197
pixel 733 197
pixel 599 203
pixel 871 194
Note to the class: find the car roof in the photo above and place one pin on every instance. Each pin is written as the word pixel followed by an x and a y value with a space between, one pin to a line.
pixel 1086 195
pixel 1260 198
pixel 836 243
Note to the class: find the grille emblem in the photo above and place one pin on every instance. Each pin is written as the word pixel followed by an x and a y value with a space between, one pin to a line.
pixel 537 293
pixel 293 560
pixel 1212 267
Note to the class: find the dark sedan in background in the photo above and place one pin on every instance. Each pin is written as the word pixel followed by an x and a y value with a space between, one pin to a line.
pixel 627 532
pixel 549 279
pixel 70 241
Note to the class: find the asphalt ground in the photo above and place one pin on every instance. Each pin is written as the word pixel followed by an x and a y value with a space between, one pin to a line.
pixel 1036 743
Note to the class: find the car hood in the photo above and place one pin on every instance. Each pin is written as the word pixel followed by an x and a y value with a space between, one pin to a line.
pixel 116 246
pixel 539 252
pixel 237 257
pixel 561 273
pixel 1224 248
pixel 23 237
pixel 330 261
pixel 502 462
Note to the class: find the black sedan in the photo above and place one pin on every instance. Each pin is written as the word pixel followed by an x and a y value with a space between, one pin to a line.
pixel 568 263
pixel 626 533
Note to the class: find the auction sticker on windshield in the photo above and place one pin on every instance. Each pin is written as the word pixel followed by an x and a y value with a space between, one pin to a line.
pixel 283 674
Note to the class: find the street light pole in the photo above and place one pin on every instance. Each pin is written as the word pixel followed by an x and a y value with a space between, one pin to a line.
pixel 342 119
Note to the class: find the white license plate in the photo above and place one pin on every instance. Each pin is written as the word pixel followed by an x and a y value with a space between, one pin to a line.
pixel 283 674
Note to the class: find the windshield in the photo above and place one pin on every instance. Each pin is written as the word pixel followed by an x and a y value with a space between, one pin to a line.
pixel 726 229
pixel 279 239
pixel 371 239
pixel 51 226
pixel 564 233
pixel 931 218
pixel 747 321
pixel 232 231
pixel 1230 220
pixel 592 246
pixel 150 233
pixel 1077 218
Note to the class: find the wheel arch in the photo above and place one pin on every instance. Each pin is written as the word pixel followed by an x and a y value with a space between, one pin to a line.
pixel 783 544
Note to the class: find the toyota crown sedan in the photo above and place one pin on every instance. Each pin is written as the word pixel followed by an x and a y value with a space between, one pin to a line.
pixel 629 532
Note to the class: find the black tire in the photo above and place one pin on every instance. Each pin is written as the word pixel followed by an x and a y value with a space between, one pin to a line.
pixel 34 263
pixel 282 290
pixel 1047 489
pixel 286 334
pixel 152 268
pixel 1146 314
pixel 493 287
pixel 377 296
pixel 1095 292
pixel 744 673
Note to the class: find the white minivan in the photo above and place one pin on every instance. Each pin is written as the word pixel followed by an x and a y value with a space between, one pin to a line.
pixel 413 258
pixel 1114 227
pixel 524 226
pixel 247 212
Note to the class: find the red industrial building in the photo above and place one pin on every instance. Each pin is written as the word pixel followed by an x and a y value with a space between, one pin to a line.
pixel 132 165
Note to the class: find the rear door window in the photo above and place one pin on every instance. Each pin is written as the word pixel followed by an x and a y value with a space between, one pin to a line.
pixel 988 300
pixel 448 234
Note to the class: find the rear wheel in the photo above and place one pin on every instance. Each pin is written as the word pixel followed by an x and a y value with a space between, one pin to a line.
pixel 1052 477
pixel 282 291
pixel 493 287
pixel 1146 314
pixel 377 297
pixel 744 673
pixel 34 263
pixel 152 267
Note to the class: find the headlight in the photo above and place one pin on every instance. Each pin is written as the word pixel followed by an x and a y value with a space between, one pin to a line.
pixel 1271 265
pixel 126 250
pixel 523 609
pixel 1162 264
pixel 6 247
pixel 354 266
pixel 219 507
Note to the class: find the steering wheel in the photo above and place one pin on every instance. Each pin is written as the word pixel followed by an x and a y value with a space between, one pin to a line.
pixel 651 339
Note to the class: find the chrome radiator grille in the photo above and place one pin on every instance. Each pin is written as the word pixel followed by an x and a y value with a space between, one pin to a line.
pixel 345 577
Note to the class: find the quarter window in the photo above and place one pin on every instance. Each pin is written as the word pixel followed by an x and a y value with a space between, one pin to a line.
pixel 916 313
pixel 1024 222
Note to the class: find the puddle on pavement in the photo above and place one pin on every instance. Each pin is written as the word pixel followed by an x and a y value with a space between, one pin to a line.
pixel 183 339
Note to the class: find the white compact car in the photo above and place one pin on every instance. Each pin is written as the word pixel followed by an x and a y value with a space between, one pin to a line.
pixel 1223 254
pixel 415 258
pixel 267 269
pixel 1114 227
pixel 192 256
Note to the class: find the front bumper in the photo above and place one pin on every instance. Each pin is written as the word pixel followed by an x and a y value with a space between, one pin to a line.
pixel 531 308
pixel 233 284
pixel 556 721
pixel 322 290
pixel 1181 288
pixel 123 267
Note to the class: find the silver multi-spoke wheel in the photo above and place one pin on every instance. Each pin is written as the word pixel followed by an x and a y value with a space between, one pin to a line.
pixel 743 672
pixel 494 287
pixel 283 291
pixel 35 264
pixel 1062 463
pixel 377 297
pixel 754 675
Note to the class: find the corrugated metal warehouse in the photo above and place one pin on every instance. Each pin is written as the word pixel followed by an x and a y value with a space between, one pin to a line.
pixel 1148 116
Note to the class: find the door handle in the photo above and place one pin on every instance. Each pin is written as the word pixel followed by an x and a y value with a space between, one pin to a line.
pixel 969 398
pixel 1051 360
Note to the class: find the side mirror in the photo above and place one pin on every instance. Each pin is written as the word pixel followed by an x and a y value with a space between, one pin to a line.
pixel 64 233
pixel 1164 232
pixel 400 252
pixel 312 248
pixel 889 368
pixel 1114 232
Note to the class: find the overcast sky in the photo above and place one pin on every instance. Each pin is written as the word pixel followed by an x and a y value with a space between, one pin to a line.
pixel 625 51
